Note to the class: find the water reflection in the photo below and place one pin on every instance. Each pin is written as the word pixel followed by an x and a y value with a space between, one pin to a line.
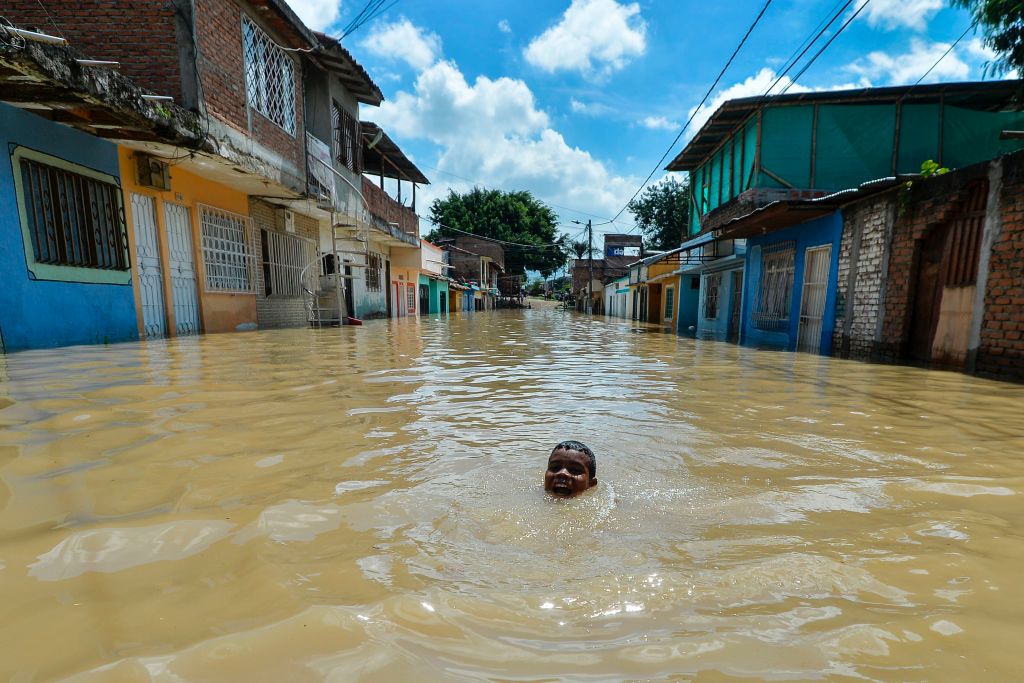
pixel 365 504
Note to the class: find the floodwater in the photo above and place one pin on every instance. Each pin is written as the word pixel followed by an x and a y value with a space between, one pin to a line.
pixel 365 504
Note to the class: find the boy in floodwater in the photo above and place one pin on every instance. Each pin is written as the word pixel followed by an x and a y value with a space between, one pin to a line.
pixel 572 469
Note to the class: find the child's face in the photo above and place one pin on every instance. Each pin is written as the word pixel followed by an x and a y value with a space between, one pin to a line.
pixel 568 473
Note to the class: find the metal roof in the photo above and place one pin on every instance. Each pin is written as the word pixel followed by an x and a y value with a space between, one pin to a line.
pixel 351 73
pixel 980 95
pixel 386 158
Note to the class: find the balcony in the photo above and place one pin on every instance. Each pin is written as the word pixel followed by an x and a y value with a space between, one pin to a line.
pixel 386 209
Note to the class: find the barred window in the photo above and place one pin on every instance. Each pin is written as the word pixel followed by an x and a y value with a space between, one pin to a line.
pixel 269 76
pixel 712 287
pixel 347 148
pixel 776 290
pixel 284 259
pixel 670 296
pixel 73 219
pixel 410 297
pixel 227 256
pixel 373 277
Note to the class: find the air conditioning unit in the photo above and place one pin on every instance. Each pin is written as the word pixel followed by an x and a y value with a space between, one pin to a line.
pixel 287 219
pixel 152 172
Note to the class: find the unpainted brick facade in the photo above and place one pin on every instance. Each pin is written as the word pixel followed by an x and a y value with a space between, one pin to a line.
pixel 883 238
pixel 277 311
pixel 153 42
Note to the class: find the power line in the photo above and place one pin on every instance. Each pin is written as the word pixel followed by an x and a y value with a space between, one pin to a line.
pixel 824 47
pixel 805 46
pixel 556 244
pixel 944 55
pixel 714 85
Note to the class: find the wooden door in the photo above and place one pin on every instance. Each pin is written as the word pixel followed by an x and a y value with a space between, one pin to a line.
pixel 928 292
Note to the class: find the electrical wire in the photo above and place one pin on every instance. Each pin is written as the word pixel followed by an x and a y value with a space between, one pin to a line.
pixel 817 33
pixel 824 47
pixel 556 244
pixel 944 55
pixel 707 95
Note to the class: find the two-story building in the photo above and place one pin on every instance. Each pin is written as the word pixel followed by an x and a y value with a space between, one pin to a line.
pixel 767 178
pixel 619 252
pixel 476 262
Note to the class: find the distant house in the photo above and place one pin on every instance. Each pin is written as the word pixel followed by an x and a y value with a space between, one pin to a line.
pixel 477 262
pixel 766 175
pixel 620 250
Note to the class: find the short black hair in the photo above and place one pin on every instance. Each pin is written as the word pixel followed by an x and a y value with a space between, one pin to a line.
pixel 582 448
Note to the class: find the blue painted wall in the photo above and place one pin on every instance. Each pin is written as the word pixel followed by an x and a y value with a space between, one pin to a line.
pixel 816 233
pixel 718 329
pixel 44 313
pixel 689 303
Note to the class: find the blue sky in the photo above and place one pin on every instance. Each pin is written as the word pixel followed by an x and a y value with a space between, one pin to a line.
pixel 576 100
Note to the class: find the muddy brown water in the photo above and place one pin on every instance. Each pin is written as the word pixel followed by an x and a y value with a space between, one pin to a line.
pixel 365 504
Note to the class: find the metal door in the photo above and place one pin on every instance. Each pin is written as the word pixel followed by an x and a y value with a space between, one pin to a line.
pixel 812 305
pixel 733 334
pixel 424 299
pixel 149 266
pixel 182 266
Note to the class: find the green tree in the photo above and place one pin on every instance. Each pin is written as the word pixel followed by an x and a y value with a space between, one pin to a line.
pixel 517 217
pixel 663 211
pixel 1002 22
pixel 579 248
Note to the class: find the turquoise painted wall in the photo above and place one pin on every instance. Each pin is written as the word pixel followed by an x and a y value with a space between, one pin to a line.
pixel 36 313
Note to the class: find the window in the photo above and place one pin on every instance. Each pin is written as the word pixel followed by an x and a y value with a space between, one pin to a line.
pixel 269 77
pixel 776 290
pixel 284 259
pixel 712 286
pixel 670 295
pixel 226 253
pixel 72 219
pixel 347 148
pixel 373 265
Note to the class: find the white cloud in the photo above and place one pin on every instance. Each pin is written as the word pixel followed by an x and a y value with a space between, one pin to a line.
pixel 594 37
pixel 401 40
pixel 659 123
pixel 589 108
pixel 491 130
pixel 906 68
pixel 977 48
pixel 893 14
pixel 756 85
pixel 504 26
pixel 317 14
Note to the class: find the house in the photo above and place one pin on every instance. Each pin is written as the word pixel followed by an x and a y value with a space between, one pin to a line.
pixel 617 298
pixel 620 250
pixel 653 288
pixel 932 272
pixel 433 281
pixel 477 262
pixel 65 247
pixel 765 253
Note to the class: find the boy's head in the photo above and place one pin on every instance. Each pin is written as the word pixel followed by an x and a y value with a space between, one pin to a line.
pixel 572 469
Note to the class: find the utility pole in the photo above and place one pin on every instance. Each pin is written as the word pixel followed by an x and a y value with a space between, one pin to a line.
pixel 590 260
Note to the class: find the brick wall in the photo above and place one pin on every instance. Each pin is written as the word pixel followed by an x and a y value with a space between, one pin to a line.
pixel 140 34
pixel 218 26
pixel 277 311
pixel 929 203
pixel 1001 352
pixel 865 229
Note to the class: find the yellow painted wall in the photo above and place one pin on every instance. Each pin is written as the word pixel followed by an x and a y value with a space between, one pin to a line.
pixel 410 275
pixel 218 312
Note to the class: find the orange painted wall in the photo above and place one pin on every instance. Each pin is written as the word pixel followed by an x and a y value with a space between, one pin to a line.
pixel 218 312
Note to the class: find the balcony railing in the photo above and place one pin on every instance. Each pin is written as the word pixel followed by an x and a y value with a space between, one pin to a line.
pixel 387 209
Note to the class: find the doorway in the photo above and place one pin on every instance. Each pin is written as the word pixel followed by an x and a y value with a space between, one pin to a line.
pixel 442 305
pixel 182 266
pixel 149 266
pixel 424 299
pixel 817 262
pixel 733 333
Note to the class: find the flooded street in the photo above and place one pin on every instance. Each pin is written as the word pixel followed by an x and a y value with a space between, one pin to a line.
pixel 364 503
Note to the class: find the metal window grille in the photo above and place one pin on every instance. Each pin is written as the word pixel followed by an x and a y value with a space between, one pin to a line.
pixel 373 267
pixel 73 220
pixel 670 294
pixel 410 298
pixel 269 76
pixel 346 145
pixel 712 287
pixel 284 259
pixel 774 297
pixel 227 256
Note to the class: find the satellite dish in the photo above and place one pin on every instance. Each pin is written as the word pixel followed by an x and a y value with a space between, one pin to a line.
pixel 376 139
